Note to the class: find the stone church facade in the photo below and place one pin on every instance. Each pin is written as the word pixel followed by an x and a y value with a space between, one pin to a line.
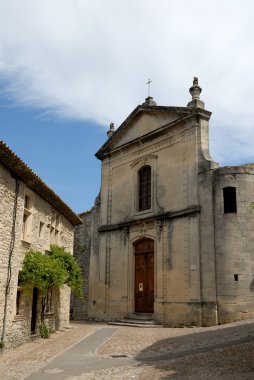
pixel 172 233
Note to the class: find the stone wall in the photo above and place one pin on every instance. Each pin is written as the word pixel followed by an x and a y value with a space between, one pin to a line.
pixel 82 243
pixel 234 244
pixel 203 256
pixel 15 327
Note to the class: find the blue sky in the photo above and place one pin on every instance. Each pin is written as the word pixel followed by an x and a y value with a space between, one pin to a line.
pixel 60 151
pixel 74 66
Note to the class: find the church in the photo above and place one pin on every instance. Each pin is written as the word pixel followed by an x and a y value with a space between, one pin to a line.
pixel 172 233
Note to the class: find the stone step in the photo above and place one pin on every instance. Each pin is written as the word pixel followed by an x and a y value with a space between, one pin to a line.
pixel 126 323
pixel 137 320
pixel 140 316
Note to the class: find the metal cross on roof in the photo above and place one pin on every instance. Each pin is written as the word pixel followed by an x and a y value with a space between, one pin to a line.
pixel 149 86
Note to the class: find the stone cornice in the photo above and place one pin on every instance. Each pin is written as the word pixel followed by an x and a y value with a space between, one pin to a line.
pixel 195 209
pixel 237 169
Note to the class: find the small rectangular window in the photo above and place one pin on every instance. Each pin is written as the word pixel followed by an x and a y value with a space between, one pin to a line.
pixel 229 197
pixel 49 301
pixel 19 308
pixel 27 205
pixel 25 227
pixel 55 228
pixel 19 299
pixel 27 217
pixel 41 230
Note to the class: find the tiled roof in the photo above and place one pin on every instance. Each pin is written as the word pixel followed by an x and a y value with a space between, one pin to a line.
pixel 19 169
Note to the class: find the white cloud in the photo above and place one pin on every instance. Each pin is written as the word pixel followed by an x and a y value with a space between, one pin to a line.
pixel 91 59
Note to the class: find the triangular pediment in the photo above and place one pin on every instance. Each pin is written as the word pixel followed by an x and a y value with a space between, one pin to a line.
pixel 143 121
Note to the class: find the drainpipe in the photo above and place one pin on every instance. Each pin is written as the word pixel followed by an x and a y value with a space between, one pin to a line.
pixel 9 271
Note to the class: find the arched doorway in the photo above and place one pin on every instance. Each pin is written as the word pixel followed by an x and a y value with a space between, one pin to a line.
pixel 144 276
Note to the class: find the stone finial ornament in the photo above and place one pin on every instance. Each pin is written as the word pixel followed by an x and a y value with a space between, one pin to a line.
pixel 149 102
pixel 195 80
pixel 195 91
pixel 111 130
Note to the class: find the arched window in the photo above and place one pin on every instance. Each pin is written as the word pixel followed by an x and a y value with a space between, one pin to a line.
pixel 144 188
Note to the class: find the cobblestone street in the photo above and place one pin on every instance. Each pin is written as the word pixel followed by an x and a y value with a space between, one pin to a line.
pixel 220 352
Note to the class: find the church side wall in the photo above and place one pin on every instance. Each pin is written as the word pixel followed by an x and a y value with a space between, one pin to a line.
pixel 82 252
pixel 95 309
pixel 234 240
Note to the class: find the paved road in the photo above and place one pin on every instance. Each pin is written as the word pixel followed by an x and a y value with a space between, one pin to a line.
pixel 97 352
pixel 80 359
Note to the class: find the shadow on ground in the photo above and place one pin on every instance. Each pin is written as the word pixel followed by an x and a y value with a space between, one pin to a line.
pixel 224 353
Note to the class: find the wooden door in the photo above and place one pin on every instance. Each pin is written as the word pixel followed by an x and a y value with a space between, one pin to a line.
pixel 144 276
pixel 34 311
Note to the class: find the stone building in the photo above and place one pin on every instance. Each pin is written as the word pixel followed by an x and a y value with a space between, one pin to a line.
pixel 32 217
pixel 82 240
pixel 172 232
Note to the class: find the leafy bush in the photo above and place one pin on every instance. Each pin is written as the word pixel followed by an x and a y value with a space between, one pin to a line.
pixel 40 271
pixel 44 271
pixel 44 331
pixel 73 272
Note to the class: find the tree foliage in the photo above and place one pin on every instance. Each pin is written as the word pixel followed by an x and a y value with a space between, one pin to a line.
pixel 73 272
pixel 55 269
